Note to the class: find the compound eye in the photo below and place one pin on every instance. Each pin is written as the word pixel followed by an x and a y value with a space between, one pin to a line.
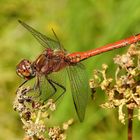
pixel 25 70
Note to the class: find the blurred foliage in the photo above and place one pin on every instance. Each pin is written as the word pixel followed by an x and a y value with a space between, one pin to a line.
pixel 81 25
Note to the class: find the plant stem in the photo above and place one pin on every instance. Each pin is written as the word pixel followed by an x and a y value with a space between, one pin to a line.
pixel 130 123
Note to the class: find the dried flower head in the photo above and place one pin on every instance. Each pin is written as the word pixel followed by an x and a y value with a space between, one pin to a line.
pixel 58 133
pixel 124 90
pixel 34 115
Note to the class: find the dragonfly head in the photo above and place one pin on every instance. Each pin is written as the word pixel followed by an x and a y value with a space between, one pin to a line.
pixel 25 69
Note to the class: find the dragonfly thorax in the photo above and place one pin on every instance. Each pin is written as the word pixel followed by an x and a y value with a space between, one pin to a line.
pixel 25 69
pixel 50 61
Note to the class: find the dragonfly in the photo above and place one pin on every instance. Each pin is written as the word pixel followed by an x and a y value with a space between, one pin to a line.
pixel 55 58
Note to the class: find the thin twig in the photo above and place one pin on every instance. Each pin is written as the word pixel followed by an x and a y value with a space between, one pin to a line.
pixel 130 123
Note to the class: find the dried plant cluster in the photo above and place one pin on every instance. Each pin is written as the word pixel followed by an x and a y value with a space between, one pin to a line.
pixel 34 115
pixel 123 91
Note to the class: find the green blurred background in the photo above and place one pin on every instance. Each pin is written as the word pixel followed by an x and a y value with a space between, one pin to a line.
pixel 81 25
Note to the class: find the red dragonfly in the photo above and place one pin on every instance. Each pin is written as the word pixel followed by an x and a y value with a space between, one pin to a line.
pixel 55 58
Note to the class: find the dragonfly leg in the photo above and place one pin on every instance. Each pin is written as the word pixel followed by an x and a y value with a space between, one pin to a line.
pixel 62 87
pixel 37 86
pixel 21 85
pixel 53 86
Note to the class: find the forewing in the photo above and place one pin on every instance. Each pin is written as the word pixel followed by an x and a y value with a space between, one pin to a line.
pixel 42 39
pixel 79 88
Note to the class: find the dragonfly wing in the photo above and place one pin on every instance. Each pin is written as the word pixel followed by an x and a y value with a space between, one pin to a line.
pixel 52 86
pixel 59 80
pixel 79 88
pixel 46 88
pixel 42 39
